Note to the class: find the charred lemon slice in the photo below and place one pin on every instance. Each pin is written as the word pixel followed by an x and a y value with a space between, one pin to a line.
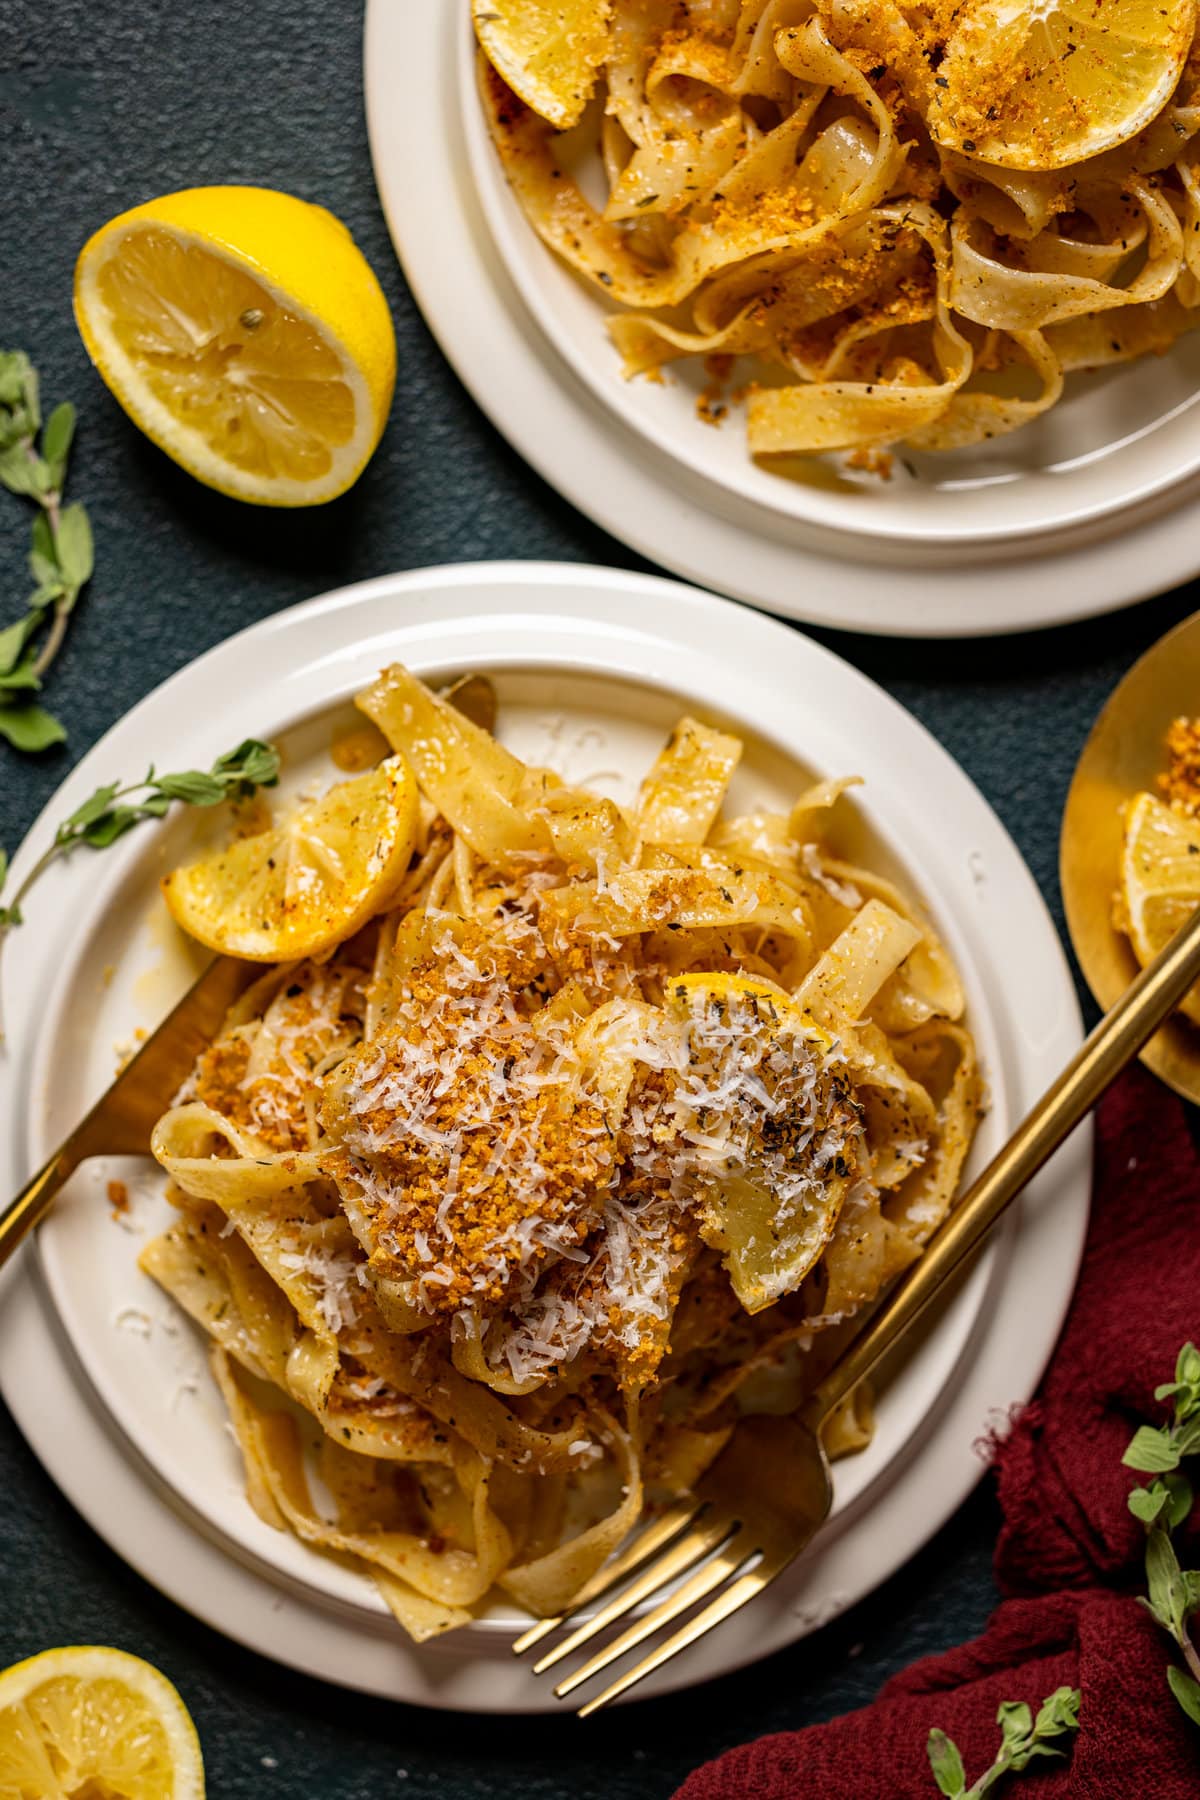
pixel 96 1721
pixel 1160 881
pixel 306 885
pixel 765 1107
pixel 1038 84
pixel 548 51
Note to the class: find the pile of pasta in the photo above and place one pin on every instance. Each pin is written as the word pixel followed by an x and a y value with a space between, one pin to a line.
pixel 815 185
pixel 604 1130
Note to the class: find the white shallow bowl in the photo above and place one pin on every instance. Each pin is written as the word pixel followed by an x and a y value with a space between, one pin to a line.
pixel 1117 438
pixel 592 667
pixel 561 416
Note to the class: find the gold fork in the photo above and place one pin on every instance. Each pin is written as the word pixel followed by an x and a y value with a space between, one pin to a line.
pixel 769 1491
pixel 122 1120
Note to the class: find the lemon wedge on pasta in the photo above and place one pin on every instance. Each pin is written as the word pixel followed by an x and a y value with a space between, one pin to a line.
pixel 90 1720
pixel 548 51
pixel 308 884
pixel 780 1175
pixel 1159 881
pixel 245 333
pixel 1040 84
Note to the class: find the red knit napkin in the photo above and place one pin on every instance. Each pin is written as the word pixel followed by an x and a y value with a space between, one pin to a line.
pixel 1070 1553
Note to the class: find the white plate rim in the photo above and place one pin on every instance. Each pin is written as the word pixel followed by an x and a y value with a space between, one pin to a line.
pixel 1061 1227
pixel 692 527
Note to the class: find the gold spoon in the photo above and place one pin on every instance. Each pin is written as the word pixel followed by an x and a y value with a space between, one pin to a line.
pixel 1124 755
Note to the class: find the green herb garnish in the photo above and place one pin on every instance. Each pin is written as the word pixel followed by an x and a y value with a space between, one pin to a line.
pixel 1162 1505
pixel 1022 1738
pixel 113 810
pixel 33 463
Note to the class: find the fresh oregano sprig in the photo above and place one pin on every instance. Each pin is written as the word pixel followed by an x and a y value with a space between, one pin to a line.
pixel 1022 1738
pixel 1162 1505
pixel 33 463
pixel 115 809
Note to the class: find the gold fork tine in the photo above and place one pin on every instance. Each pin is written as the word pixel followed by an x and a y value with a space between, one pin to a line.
pixel 746 1587
pixel 664 1528
pixel 713 1574
pixel 706 1537
pixel 773 1474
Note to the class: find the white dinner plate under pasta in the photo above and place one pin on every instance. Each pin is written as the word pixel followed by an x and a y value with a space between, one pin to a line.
pixel 1089 510
pixel 592 667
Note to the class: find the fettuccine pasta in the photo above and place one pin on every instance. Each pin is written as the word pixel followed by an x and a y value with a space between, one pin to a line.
pixel 606 1128
pixel 910 219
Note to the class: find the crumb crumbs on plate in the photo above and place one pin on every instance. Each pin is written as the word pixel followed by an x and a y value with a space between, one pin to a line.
pixel 872 461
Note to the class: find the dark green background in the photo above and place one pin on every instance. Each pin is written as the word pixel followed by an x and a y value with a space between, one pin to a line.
pixel 102 106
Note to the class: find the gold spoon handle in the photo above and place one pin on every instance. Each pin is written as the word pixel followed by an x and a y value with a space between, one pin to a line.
pixel 1115 1041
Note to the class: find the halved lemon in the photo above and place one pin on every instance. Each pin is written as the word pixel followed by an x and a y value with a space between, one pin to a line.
pixel 548 51
pixel 1160 881
pixel 781 1174
pixel 94 1721
pixel 243 331
pixel 305 886
pixel 1038 84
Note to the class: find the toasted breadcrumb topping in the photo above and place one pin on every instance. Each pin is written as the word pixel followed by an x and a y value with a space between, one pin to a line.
pixel 1180 782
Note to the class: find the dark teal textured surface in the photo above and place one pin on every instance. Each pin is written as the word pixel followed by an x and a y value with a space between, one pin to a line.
pixel 102 106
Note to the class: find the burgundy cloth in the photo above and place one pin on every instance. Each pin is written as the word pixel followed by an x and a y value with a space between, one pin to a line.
pixel 1069 1556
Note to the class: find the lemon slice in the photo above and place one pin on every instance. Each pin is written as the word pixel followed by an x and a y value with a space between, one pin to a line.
pixel 1038 84
pixel 548 51
pixel 243 331
pixel 1160 881
pixel 98 1722
pixel 307 885
pixel 781 1173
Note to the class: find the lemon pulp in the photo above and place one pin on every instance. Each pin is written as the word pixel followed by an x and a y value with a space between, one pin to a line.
pixel 95 1722
pixel 1159 881
pixel 246 334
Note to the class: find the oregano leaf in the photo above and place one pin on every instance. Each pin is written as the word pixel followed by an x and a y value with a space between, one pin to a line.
pixel 21 472
pixel 1151 1451
pixel 56 440
pixel 947 1765
pixel 1186 1690
pixel 76 556
pixel 12 641
pixel 30 728
pixel 1148 1503
pixel 193 787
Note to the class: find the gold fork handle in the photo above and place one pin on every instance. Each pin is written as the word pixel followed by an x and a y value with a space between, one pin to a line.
pixel 1115 1041
pixel 26 1208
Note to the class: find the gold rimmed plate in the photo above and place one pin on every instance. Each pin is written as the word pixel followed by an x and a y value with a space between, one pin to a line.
pixel 1125 755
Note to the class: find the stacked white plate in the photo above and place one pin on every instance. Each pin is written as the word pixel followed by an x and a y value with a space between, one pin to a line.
pixel 592 666
pixel 1087 509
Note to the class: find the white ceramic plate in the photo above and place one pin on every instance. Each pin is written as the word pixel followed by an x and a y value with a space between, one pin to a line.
pixel 592 666
pixel 1115 439
pixel 1032 561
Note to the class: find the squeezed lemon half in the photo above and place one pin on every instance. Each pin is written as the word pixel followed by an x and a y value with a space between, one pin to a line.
pixel 1038 84
pixel 548 51
pixel 304 886
pixel 89 1720
pixel 243 331
pixel 1159 881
